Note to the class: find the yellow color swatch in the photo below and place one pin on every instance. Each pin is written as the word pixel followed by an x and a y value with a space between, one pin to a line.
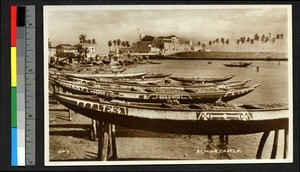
pixel 13 62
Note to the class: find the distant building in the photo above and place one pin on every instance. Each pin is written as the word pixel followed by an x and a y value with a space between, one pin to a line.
pixel 159 45
pixel 51 51
pixel 90 49
pixel 142 46
pixel 66 50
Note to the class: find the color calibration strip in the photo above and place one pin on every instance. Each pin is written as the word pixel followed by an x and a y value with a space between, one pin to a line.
pixel 22 79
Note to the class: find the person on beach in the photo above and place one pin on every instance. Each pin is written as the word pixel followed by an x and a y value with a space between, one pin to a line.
pixel 257 69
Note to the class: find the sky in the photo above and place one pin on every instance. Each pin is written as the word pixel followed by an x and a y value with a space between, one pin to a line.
pixel 65 26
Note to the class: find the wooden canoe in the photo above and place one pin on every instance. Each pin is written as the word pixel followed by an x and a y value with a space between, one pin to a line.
pixel 156 83
pixel 157 75
pixel 137 94
pixel 238 64
pixel 204 80
pixel 205 119
pixel 107 75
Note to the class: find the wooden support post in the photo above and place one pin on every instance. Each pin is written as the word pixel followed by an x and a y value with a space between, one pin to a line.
pixel 209 137
pixel 109 150
pixel 94 131
pixel 262 144
pixel 286 136
pixel 275 145
pixel 114 145
pixel 70 115
pixel 226 139
pixel 102 140
pixel 221 139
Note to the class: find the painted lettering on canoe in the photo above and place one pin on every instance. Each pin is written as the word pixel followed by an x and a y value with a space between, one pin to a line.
pixel 98 92
pixel 167 96
pixel 103 107
pixel 205 116
pixel 74 87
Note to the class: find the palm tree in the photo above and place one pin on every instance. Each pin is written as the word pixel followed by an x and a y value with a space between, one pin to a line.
pixel 217 42
pixel 243 39
pixel 256 38
pixel 94 41
pixel 227 43
pixel 115 43
pixel 82 38
pixel 262 39
pixel 123 43
pixel 127 44
pixel 109 43
pixel 118 42
pixel 273 40
pixel 237 45
pixel 252 42
pixel 222 41
pixel 248 42
pixel 203 46
pixel 209 43
pixel 267 40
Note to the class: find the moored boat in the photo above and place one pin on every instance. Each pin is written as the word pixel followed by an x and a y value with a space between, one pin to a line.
pixel 206 119
pixel 138 94
pixel 238 64
pixel 204 79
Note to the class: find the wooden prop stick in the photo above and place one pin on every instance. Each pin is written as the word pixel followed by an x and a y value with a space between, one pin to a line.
pixel 262 144
pixel 275 145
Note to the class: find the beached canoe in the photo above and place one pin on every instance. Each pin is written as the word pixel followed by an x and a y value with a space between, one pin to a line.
pixel 205 119
pixel 146 83
pixel 138 94
pixel 107 75
pixel 204 80
pixel 238 64
pixel 157 75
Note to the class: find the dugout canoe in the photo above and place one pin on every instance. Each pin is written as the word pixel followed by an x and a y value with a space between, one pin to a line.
pixel 199 79
pixel 107 75
pixel 238 64
pixel 137 94
pixel 156 83
pixel 200 119
pixel 157 75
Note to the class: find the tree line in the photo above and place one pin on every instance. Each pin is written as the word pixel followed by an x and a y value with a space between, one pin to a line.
pixel 255 43
pixel 117 43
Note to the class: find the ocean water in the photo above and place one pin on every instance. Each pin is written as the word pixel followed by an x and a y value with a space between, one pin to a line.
pixel 273 77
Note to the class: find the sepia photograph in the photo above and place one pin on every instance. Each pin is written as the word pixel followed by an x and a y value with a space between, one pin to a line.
pixel 168 84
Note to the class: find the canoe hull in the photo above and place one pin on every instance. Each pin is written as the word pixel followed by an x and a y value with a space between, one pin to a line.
pixel 153 97
pixel 204 80
pixel 238 65
pixel 182 126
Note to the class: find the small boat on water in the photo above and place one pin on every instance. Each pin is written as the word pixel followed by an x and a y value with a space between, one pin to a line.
pixel 238 64
pixel 199 118
pixel 203 80
pixel 157 95
pixel 107 75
